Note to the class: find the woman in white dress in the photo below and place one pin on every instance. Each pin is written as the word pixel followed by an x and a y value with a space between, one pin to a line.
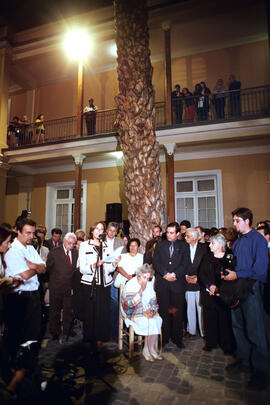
pixel 140 310
pixel 129 263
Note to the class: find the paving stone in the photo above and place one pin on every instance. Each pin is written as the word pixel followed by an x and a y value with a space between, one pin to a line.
pixel 233 385
pixel 218 370
pixel 215 377
pixel 183 390
pixel 203 372
pixel 233 394
pixel 187 377
pixel 231 402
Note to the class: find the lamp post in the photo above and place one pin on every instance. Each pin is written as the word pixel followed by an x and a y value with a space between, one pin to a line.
pixel 77 45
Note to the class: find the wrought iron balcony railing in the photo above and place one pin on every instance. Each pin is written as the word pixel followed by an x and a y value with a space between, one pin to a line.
pixel 231 105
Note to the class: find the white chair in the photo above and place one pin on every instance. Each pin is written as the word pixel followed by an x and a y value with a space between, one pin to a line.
pixel 126 335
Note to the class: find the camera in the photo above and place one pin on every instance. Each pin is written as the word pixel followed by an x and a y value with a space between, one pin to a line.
pixel 26 356
pixel 228 262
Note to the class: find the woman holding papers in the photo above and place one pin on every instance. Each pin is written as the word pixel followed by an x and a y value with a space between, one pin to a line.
pixel 96 280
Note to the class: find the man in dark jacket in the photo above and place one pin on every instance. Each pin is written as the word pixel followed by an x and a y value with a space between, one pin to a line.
pixel 61 263
pixel 170 262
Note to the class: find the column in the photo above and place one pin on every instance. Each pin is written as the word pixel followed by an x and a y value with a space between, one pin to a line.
pixel 78 161
pixel 5 52
pixel 3 182
pixel 26 186
pixel 80 101
pixel 30 105
pixel 170 175
pixel 166 26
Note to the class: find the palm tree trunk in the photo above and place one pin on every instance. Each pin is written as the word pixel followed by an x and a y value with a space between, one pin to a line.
pixel 136 120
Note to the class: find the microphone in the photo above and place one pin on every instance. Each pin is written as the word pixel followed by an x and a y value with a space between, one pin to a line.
pixel 102 237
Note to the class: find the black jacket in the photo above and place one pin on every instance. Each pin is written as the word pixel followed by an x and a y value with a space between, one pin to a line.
pixel 177 264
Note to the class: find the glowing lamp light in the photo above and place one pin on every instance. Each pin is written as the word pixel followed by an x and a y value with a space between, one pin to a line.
pixel 77 44
pixel 113 50
pixel 117 154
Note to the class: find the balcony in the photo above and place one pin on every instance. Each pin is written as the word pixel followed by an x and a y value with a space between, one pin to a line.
pixel 238 105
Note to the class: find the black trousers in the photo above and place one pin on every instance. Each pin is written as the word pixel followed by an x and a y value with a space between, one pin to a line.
pixel 217 325
pixel 22 316
pixel 96 320
pixel 171 309
pixel 60 300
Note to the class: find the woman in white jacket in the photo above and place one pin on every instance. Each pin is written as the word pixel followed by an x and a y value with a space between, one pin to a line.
pixel 96 280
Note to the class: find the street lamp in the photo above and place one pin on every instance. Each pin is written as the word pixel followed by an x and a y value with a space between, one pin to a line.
pixel 77 46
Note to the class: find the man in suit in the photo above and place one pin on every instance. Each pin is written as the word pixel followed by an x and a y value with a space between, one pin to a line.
pixel 113 242
pixel 170 262
pixel 55 240
pixel 197 251
pixel 61 263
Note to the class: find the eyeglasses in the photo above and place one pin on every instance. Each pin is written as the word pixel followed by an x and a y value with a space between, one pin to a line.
pixel 237 220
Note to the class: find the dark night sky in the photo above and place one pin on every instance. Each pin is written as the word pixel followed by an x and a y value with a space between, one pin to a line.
pixel 23 14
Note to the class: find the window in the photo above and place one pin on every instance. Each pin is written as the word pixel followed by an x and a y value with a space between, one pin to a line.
pixel 198 198
pixel 60 206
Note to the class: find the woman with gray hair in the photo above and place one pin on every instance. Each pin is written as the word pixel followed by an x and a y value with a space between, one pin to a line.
pixel 216 315
pixel 140 310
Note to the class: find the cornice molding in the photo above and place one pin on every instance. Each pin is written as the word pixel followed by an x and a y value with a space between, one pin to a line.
pixel 178 156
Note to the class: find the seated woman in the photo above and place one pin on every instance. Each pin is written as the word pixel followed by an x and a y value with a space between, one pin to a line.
pixel 140 310
pixel 129 263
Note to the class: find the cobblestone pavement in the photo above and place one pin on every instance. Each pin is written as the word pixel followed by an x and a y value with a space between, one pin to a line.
pixel 190 376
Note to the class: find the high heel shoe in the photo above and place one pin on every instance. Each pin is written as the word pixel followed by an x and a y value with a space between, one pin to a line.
pixel 157 356
pixel 147 357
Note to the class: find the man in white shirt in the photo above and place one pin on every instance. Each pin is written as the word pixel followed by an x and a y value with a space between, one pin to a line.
pixel 197 251
pixel 90 113
pixel 23 307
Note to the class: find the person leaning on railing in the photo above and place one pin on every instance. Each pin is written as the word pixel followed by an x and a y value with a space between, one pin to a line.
pixel 219 98
pixel 40 129
pixel 90 113
pixel 190 105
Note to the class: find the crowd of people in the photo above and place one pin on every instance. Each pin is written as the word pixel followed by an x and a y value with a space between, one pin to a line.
pixel 198 102
pixel 186 105
pixel 210 283
pixel 21 132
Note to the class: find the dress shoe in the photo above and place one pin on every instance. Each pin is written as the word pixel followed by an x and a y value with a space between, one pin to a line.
pixel 180 345
pixel 147 356
pixel 72 333
pixel 207 349
pixel 237 367
pixel 189 335
pixel 157 356
pixel 258 382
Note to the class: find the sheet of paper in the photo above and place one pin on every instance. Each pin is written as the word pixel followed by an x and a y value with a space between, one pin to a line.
pixel 114 255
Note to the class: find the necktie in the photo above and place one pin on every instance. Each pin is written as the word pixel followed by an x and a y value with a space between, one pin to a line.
pixel 171 249
pixel 69 261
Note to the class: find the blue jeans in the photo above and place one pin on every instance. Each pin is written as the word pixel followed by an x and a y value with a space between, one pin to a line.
pixel 248 329
pixel 114 312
